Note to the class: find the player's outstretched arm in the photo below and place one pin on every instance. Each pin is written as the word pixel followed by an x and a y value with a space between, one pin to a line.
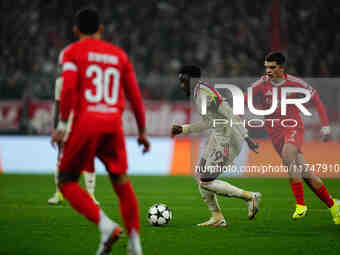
pixel 326 129
pixel 176 130
pixel 190 128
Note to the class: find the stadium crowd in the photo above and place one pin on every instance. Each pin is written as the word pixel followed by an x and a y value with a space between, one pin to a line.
pixel 226 38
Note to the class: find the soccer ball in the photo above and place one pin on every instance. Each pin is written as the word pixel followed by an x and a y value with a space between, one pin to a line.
pixel 159 215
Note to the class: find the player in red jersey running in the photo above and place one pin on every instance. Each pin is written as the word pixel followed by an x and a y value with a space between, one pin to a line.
pixel 96 76
pixel 287 131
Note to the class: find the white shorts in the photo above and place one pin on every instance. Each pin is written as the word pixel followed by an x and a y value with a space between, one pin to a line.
pixel 217 155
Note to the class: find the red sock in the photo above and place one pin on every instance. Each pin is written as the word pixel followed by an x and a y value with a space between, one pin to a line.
pixel 298 192
pixel 324 196
pixel 81 201
pixel 128 206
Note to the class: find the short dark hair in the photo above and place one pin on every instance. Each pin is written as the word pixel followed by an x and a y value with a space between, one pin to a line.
pixel 191 71
pixel 277 57
pixel 87 21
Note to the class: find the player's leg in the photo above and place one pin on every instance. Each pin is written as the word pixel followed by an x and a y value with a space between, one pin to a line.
pixel 217 218
pixel 292 142
pixel 78 150
pixel 129 211
pixel 209 197
pixel 316 185
pixel 82 202
pixel 224 155
pixel 113 154
pixel 57 197
pixel 224 188
pixel 90 180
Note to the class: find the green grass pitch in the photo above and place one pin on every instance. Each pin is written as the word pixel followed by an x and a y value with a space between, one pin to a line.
pixel 29 226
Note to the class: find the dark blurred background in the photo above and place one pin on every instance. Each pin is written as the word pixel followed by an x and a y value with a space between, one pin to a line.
pixel 226 38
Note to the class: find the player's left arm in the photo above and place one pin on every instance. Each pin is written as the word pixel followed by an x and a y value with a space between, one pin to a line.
pixel 134 96
pixel 320 108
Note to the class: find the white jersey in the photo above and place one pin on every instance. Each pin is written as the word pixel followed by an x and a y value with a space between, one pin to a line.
pixel 224 142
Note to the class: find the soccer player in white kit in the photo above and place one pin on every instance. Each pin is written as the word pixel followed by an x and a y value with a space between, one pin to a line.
pixel 221 147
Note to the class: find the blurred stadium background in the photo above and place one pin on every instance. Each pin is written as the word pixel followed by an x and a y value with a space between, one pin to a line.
pixel 227 39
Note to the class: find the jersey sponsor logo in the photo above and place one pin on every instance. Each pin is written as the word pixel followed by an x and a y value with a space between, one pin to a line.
pixel 103 58
pixel 101 108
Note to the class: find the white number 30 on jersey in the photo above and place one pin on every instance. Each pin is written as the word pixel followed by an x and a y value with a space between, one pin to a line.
pixel 102 82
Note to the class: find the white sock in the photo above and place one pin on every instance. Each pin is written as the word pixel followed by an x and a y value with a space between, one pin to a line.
pixel 134 245
pixel 210 199
pixel 223 188
pixel 90 182
pixel 56 173
pixel 106 225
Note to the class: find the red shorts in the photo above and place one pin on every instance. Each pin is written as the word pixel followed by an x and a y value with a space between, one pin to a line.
pixel 90 168
pixel 83 145
pixel 292 136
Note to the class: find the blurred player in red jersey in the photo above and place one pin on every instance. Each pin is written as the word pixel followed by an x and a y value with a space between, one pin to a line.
pixel 96 76
pixel 288 141
pixel 89 172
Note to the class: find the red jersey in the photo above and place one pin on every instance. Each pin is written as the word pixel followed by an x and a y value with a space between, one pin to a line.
pixel 262 96
pixel 96 76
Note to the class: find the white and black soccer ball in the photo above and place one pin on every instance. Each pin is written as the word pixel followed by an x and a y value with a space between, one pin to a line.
pixel 159 215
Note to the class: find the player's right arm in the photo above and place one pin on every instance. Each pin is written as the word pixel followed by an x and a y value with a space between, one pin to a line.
pixel 196 127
